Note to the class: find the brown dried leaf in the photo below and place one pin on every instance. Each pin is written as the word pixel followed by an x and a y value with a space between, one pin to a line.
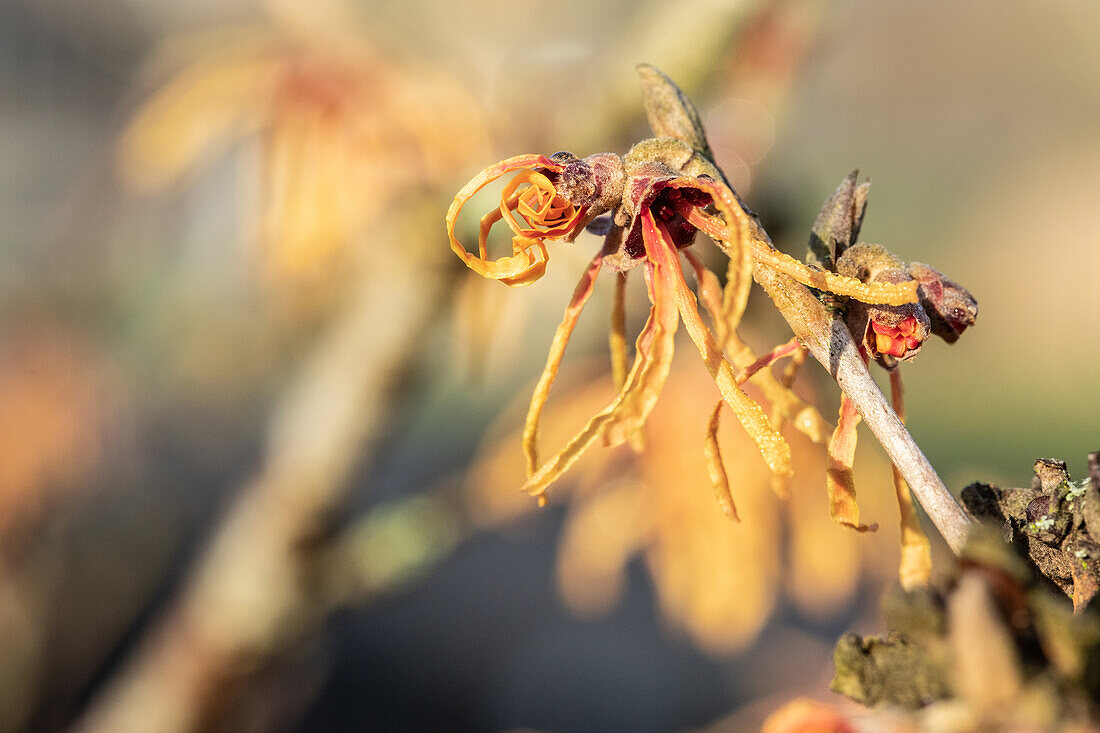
pixel 669 111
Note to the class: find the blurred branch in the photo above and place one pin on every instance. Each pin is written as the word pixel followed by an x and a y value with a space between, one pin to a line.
pixel 394 545
pixel 251 594
pixel 682 38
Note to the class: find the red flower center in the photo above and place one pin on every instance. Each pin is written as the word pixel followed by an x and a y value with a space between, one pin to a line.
pixel 666 208
pixel 896 340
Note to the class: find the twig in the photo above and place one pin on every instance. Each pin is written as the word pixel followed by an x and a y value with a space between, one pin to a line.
pixel 820 329
pixel 825 334
pixel 250 596
pixel 656 30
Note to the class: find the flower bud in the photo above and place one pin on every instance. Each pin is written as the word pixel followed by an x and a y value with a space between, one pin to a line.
pixel 951 308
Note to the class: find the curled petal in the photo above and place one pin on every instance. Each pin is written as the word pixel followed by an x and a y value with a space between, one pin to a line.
pixel 838 474
pixel 528 260
pixel 487 223
pixel 553 360
pixel 553 216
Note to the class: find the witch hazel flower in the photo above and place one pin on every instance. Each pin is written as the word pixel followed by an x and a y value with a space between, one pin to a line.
pixel 649 205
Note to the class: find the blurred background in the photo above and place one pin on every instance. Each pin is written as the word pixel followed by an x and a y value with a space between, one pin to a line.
pixel 259 448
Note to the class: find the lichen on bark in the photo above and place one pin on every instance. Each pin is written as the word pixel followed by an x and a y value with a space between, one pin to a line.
pixel 997 643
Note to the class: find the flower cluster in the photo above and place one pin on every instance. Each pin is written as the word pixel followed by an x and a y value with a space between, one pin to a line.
pixel 323 116
pixel 889 335
pixel 649 205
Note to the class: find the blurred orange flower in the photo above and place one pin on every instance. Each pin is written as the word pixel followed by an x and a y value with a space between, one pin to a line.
pixel 54 404
pixel 807 716
pixel 717 579
pixel 341 130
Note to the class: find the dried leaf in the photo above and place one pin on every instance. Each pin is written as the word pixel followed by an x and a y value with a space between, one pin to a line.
pixel 837 226
pixel 669 111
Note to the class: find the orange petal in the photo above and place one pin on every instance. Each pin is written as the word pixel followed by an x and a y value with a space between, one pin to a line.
pixel 653 352
pixel 616 338
pixel 726 314
pixel 657 350
pixel 776 452
pixel 838 474
pixel 553 360
pixel 719 477
pixel 549 223
pixel 765 361
pixel 528 261
pixel 710 293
